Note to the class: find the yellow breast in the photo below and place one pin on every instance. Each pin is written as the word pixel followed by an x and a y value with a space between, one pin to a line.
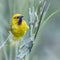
pixel 19 30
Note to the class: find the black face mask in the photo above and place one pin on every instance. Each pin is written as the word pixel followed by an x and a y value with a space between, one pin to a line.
pixel 20 20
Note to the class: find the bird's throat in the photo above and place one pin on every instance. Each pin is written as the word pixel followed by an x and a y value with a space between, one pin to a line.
pixel 20 21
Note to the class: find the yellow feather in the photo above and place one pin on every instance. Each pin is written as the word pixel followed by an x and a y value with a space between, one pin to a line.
pixel 18 31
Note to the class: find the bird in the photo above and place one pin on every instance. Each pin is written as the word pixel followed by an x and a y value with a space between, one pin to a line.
pixel 19 26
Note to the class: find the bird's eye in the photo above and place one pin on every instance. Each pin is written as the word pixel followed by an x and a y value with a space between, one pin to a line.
pixel 16 17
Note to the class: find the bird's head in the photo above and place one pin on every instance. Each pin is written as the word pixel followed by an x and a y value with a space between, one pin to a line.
pixel 17 18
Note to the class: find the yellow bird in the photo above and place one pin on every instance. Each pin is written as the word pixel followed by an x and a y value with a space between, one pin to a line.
pixel 18 26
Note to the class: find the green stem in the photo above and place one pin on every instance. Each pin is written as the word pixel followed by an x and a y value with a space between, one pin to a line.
pixel 43 24
pixel 11 49
pixel 16 50
pixel 27 56
pixel 4 49
pixel 5 53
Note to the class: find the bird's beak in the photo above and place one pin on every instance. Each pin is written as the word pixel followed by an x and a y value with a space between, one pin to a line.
pixel 21 17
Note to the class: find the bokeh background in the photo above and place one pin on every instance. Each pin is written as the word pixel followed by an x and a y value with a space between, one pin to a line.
pixel 47 42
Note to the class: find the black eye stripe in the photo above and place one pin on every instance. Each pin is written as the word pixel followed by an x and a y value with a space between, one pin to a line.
pixel 16 17
pixel 20 20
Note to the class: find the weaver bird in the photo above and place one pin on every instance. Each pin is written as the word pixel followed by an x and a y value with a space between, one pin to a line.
pixel 18 26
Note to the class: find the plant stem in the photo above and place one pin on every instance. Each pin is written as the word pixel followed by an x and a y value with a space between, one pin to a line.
pixel 4 49
pixel 16 49
pixel 5 53
pixel 10 52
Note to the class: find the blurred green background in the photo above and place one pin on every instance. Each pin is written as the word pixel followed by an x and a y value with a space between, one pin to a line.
pixel 47 42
